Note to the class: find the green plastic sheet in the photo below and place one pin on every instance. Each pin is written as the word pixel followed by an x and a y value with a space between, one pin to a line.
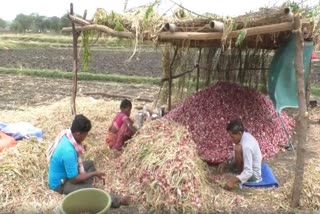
pixel 282 77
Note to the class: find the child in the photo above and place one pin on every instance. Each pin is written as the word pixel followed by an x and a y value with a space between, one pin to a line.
pixel 122 127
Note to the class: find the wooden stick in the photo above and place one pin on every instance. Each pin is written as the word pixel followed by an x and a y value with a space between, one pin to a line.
pixel 84 14
pixel 104 29
pixel 75 36
pixel 79 20
pixel 216 26
pixel 170 27
pixel 170 77
pixel 302 119
pixel 178 75
pixel 198 69
pixel 266 29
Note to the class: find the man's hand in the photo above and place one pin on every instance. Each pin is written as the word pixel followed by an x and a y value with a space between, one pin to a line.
pixel 222 167
pixel 231 183
pixel 100 174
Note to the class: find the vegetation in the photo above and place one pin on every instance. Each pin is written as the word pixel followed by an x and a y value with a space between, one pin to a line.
pixel 315 91
pixel 81 75
pixel 41 40
pixel 3 23
pixel 37 24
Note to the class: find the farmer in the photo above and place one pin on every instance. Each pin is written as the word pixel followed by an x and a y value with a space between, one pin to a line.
pixel 121 128
pixel 246 158
pixel 67 172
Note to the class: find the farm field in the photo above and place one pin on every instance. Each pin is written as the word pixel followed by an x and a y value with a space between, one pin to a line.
pixel 102 61
pixel 45 102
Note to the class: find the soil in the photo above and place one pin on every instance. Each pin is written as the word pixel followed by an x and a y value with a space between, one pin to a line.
pixel 102 61
pixel 17 91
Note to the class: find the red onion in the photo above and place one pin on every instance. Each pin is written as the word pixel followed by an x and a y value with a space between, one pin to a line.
pixel 207 113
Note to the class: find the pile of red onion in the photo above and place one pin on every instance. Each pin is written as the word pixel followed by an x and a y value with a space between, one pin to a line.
pixel 207 113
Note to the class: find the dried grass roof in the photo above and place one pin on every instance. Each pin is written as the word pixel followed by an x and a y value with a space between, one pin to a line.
pixel 264 29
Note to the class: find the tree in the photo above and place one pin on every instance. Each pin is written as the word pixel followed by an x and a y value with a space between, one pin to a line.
pixel 54 24
pixel 3 23
pixel 22 23
pixel 39 23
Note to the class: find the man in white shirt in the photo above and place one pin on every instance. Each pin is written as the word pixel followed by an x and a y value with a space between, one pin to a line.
pixel 247 156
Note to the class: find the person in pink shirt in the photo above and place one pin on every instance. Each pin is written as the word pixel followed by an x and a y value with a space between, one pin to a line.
pixel 122 127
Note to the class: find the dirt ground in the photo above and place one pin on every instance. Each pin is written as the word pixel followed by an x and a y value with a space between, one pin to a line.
pixel 102 61
pixel 17 91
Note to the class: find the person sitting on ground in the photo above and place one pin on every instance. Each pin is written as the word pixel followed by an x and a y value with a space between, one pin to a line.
pixel 67 172
pixel 246 158
pixel 121 128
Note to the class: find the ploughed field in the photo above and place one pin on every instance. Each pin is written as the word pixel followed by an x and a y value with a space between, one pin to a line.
pixel 144 63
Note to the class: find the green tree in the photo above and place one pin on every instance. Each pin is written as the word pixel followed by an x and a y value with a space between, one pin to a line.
pixel 54 24
pixel 3 23
pixel 22 23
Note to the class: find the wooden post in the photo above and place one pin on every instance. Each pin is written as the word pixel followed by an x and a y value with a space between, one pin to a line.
pixel 209 65
pixel 198 69
pixel 75 36
pixel 308 87
pixel 302 118
pixel 170 78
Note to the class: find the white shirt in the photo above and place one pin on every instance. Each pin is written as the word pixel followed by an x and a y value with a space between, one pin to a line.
pixel 251 158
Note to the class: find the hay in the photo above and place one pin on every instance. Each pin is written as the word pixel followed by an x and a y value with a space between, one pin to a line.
pixel 23 169
pixel 23 180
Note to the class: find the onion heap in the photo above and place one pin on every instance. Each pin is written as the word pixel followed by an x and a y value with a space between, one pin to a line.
pixel 207 113
pixel 163 170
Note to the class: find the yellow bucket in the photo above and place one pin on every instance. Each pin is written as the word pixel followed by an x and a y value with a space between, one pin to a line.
pixel 88 201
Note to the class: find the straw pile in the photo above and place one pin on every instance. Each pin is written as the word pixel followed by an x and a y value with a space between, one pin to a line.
pixel 164 172
pixel 23 169
pixel 23 180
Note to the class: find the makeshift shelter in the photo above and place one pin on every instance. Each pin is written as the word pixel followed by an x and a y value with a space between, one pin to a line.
pixel 216 48
pixel 239 44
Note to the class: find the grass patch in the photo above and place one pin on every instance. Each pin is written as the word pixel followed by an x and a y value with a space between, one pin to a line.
pixel 16 41
pixel 12 44
pixel 315 91
pixel 81 76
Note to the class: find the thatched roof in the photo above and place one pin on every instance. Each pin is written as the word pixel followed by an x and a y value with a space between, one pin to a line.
pixel 265 29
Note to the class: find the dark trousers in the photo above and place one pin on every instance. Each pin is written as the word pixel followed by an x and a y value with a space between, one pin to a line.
pixel 68 187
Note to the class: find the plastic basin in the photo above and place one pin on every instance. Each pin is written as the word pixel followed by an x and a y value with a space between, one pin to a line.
pixel 89 201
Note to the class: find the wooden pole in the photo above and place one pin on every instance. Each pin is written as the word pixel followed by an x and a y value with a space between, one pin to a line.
pixel 101 28
pixel 302 118
pixel 216 26
pixel 78 20
pixel 170 27
pixel 198 69
pixel 308 86
pixel 201 36
pixel 75 36
pixel 170 78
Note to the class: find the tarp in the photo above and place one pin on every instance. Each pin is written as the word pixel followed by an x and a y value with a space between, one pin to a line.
pixel 21 130
pixel 268 178
pixel 6 141
pixel 282 77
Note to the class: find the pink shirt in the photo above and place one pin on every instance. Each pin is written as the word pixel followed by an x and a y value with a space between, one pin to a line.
pixel 119 120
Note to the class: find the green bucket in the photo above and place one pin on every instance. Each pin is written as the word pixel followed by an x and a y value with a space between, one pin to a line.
pixel 89 200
